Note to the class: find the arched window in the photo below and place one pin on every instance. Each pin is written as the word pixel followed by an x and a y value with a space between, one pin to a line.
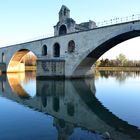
pixel 62 30
pixel 70 109
pixel 3 57
pixel 44 50
pixel 71 46
pixel 56 50
pixel 56 104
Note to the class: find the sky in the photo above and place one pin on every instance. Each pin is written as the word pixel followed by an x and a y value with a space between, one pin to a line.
pixel 25 20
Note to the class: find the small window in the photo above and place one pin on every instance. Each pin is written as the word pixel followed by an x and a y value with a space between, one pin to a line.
pixel 71 46
pixel 65 12
pixel 3 57
pixel 44 50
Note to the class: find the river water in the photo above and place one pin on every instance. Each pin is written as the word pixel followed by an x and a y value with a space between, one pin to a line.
pixel 106 106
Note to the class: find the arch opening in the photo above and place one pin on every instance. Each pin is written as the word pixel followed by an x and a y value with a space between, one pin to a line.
pixel 88 59
pixel 23 60
pixel 62 30
pixel 56 50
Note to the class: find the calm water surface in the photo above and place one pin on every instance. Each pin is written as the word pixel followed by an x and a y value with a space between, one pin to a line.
pixel 86 109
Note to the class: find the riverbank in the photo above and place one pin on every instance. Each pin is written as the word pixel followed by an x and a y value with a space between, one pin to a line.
pixel 118 68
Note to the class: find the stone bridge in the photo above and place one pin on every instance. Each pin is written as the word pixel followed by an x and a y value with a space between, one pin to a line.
pixel 68 106
pixel 72 51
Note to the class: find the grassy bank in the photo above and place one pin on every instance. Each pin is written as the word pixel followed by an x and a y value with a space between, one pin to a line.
pixel 118 68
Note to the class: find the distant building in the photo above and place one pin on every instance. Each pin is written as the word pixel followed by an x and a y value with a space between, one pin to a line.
pixel 67 25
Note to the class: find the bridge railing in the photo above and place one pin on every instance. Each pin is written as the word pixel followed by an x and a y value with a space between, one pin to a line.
pixel 118 20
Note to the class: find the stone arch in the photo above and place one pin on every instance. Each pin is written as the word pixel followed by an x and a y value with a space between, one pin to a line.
pixel 62 30
pixel 88 59
pixel 56 50
pixel 15 64
pixel 71 46
pixel 98 109
pixel 44 50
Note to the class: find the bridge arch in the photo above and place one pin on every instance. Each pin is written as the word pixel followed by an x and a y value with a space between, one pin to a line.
pixel 112 42
pixel 15 64
pixel 89 57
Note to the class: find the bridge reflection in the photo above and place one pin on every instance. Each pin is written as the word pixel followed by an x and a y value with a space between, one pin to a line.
pixel 72 103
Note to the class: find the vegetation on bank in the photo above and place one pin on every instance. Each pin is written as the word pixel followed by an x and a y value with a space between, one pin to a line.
pixel 121 61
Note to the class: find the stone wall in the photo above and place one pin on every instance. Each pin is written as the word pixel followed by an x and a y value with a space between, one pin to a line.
pixel 50 68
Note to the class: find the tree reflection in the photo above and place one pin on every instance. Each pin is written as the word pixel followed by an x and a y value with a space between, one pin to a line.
pixel 120 76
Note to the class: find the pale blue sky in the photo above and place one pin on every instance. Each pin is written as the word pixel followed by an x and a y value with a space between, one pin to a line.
pixel 22 20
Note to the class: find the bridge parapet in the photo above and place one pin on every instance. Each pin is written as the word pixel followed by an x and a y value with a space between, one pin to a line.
pixel 118 20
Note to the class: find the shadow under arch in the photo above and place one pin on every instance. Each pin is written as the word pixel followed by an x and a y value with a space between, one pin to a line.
pixel 102 112
pixel 15 64
pixel 90 58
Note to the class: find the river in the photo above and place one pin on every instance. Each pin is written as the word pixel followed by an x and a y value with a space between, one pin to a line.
pixel 103 107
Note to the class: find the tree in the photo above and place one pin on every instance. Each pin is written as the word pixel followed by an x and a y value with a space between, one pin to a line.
pixel 98 62
pixel 121 59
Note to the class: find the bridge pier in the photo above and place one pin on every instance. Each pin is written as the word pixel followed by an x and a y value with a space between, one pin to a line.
pixel 57 68
pixel 51 68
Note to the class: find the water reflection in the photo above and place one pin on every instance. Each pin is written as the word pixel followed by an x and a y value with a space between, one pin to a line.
pixel 73 105
pixel 120 76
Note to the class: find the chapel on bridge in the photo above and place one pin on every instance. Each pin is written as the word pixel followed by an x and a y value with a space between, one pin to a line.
pixel 67 25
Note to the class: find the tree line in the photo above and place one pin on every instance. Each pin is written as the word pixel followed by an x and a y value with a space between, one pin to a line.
pixel 120 61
